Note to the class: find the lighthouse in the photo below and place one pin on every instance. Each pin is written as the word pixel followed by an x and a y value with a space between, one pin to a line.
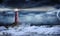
pixel 16 16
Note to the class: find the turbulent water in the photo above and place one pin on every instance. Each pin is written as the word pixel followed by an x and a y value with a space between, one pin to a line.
pixel 31 17
pixel 28 18
pixel 30 31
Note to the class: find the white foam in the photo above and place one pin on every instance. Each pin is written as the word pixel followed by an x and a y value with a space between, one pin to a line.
pixel 21 30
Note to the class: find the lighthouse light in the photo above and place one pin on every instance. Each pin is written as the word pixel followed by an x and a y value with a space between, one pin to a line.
pixel 16 9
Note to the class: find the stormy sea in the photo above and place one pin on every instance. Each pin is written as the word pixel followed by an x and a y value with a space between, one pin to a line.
pixel 31 23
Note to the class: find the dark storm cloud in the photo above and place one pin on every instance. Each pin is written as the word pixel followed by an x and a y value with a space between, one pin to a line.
pixel 29 3
pixel 1 1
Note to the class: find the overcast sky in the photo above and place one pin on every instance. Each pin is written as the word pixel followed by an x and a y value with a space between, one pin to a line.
pixel 29 3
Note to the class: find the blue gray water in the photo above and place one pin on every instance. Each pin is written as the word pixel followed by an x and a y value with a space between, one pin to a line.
pixel 36 17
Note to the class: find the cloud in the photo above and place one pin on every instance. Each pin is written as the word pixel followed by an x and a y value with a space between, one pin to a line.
pixel 27 4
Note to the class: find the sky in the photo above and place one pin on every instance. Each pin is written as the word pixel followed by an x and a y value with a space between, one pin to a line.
pixel 29 3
